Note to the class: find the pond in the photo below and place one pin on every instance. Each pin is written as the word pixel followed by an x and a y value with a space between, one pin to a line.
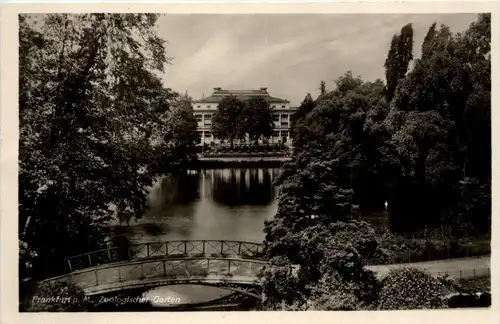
pixel 215 204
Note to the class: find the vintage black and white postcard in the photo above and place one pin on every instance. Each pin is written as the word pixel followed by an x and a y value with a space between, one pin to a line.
pixel 263 158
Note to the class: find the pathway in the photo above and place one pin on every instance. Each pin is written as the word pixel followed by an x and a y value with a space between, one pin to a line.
pixel 457 268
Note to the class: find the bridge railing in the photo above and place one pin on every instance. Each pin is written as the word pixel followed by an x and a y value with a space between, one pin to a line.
pixel 150 272
pixel 164 249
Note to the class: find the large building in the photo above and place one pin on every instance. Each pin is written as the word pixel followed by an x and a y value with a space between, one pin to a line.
pixel 204 109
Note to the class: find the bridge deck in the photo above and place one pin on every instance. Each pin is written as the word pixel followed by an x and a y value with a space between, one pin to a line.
pixel 159 272
pixel 213 279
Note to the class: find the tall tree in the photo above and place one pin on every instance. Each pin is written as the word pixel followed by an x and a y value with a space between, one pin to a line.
pixel 435 117
pixel 428 40
pixel 88 107
pixel 228 122
pixel 297 120
pixel 322 88
pixel 306 106
pixel 398 59
pixel 181 130
pixel 258 118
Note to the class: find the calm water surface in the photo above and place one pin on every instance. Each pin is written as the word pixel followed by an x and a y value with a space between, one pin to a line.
pixel 225 204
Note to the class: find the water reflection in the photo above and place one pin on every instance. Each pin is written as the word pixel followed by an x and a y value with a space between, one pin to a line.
pixel 239 187
pixel 226 204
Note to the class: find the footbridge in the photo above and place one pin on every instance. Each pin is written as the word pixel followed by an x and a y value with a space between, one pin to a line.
pixel 233 265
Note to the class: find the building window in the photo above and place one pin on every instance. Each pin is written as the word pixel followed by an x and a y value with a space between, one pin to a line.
pixel 198 106
pixel 283 106
pixel 208 106
pixel 274 106
pixel 207 120
pixel 208 134
pixel 284 120
pixel 198 117
pixel 276 118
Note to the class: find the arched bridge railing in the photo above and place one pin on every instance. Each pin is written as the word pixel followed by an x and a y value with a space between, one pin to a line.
pixel 222 271
pixel 214 248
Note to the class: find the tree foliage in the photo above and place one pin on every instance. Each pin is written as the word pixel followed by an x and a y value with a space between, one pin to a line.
pixel 58 297
pixel 320 253
pixel 258 118
pixel 228 122
pixel 435 117
pixel 322 88
pixel 398 59
pixel 91 105
pixel 411 150
pixel 414 142
pixel 180 133
pixel 298 117
pixel 410 288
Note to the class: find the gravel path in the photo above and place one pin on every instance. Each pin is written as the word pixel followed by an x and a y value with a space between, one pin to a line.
pixel 457 268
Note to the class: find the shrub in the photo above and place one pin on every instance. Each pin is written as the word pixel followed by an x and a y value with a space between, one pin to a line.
pixel 410 288
pixel 58 297
pixel 360 235
pixel 476 284
pixel 279 283
pixel 342 261
pixel 332 293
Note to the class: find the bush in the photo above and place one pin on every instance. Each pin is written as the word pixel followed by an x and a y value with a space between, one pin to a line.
pixel 332 293
pixel 476 284
pixel 360 235
pixel 410 288
pixel 398 249
pixel 58 297
pixel 279 283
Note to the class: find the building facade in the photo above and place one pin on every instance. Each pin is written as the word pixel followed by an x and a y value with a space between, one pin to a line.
pixel 206 107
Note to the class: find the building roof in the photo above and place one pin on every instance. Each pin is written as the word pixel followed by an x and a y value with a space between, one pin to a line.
pixel 220 93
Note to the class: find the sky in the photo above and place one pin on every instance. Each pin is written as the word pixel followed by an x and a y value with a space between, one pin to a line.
pixel 288 54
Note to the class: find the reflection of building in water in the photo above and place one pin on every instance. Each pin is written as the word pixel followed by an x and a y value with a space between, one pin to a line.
pixel 239 186
pixel 226 186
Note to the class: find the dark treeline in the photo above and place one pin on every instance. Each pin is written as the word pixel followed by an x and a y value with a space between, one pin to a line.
pixel 421 140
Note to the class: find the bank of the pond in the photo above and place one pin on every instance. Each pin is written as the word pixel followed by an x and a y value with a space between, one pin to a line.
pixel 236 161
